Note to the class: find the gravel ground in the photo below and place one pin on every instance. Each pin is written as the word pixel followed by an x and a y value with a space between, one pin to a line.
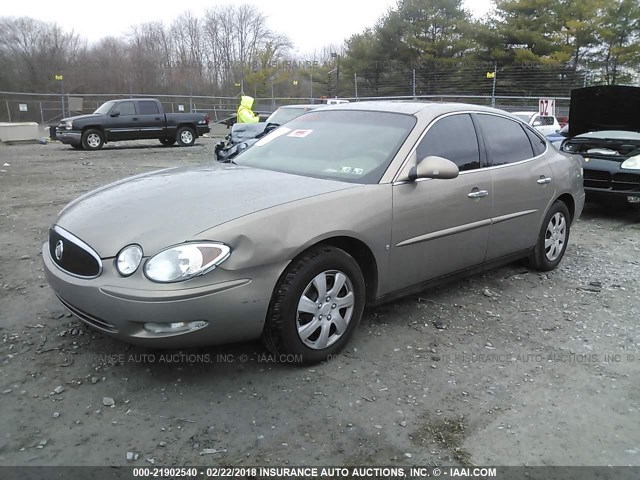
pixel 511 367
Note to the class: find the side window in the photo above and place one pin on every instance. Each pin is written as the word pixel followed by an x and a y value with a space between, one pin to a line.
pixel 538 144
pixel 126 108
pixel 148 108
pixel 546 121
pixel 454 138
pixel 505 139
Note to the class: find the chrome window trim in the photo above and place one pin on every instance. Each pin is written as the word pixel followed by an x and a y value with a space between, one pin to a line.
pixel 73 239
pixel 413 150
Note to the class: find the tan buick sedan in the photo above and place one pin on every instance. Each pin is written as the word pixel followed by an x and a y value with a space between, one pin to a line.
pixel 345 206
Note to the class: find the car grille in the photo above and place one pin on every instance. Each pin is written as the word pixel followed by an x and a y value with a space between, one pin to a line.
pixel 619 182
pixel 73 255
pixel 89 319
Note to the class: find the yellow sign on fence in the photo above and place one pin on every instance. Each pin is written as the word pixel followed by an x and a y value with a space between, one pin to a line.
pixel 58 77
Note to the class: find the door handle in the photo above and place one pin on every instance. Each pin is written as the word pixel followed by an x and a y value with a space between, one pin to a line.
pixel 478 194
pixel 544 180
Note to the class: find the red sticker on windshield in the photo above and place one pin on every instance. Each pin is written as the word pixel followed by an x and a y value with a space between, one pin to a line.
pixel 299 133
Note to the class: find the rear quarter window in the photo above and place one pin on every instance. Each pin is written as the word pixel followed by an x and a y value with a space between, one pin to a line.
pixel 538 144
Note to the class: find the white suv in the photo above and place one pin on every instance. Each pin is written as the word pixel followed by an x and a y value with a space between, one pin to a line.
pixel 545 124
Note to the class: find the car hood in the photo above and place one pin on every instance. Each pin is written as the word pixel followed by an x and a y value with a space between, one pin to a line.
pixel 611 107
pixel 168 207
pixel 80 117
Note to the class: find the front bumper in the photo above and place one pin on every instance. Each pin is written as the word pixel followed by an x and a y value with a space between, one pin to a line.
pixel 69 137
pixel 605 177
pixel 235 306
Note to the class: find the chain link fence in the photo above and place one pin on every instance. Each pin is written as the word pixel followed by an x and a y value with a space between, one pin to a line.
pixel 510 88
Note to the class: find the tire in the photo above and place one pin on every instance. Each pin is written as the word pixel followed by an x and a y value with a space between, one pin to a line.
pixel 294 327
pixel 552 239
pixel 92 139
pixel 76 147
pixel 167 142
pixel 185 136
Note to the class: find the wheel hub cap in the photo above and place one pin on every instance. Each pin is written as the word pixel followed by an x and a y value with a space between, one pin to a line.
pixel 555 236
pixel 325 309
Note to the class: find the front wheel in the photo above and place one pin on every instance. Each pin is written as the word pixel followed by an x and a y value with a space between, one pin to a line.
pixel 92 139
pixel 167 142
pixel 316 306
pixel 185 136
pixel 553 238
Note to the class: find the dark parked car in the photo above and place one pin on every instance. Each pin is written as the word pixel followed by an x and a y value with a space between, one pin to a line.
pixel 342 207
pixel 131 119
pixel 605 130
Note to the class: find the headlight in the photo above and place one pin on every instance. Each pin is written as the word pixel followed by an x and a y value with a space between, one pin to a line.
pixel 128 260
pixel 68 124
pixel 565 146
pixel 632 163
pixel 186 261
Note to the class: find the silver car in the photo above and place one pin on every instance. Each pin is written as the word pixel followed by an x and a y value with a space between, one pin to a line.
pixel 343 207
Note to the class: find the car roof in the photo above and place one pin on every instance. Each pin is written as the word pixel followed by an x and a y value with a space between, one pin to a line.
pixel 309 105
pixel 411 107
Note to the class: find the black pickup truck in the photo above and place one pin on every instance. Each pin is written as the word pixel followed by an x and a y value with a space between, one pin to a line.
pixel 131 119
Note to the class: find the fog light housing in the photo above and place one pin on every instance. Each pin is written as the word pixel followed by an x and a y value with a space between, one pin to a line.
pixel 175 327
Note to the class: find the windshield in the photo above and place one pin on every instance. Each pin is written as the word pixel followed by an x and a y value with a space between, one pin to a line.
pixel 284 115
pixel 350 146
pixel 104 108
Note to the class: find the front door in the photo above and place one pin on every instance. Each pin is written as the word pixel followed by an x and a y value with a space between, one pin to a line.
pixel 442 226
pixel 125 125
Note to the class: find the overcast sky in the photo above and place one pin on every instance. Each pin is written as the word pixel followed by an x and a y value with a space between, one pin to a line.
pixel 310 25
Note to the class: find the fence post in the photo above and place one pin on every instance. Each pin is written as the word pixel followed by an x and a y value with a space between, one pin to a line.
pixel 41 114
pixel 310 88
pixel 495 79
pixel 273 100
pixel 8 110
pixel 413 84
pixel 355 82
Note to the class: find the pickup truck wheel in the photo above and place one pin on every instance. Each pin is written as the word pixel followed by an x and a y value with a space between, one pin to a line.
pixel 92 139
pixel 167 142
pixel 185 136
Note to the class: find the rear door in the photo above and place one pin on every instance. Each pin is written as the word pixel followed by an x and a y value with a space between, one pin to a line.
pixel 442 226
pixel 522 184
pixel 151 119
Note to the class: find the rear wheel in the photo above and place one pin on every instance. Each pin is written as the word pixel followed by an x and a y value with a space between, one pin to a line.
pixel 92 139
pixel 553 238
pixel 316 306
pixel 167 142
pixel 185 136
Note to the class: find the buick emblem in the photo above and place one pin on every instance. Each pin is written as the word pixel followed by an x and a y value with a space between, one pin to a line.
pixel 59 249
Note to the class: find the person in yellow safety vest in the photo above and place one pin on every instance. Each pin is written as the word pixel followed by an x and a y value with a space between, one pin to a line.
pixel 245 114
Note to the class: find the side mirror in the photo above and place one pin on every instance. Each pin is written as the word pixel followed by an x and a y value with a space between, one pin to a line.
pixel 434 167
pixel 115 114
